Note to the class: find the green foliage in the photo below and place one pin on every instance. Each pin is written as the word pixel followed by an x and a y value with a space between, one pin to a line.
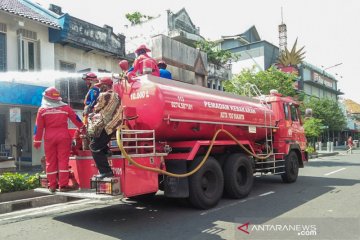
pixel 328 111
pixel 310 149
pixel 264 80
pixel 214 55
pixel 313 127
pixel 137 17
pixel 12 182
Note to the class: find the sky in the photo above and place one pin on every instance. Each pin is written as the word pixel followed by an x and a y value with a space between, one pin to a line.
pixel 327 28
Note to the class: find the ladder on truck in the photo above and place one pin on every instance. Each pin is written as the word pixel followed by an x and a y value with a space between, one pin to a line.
pixel 271 164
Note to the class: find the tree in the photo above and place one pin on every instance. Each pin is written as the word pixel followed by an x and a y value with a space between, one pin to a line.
pixel 264 80
pixel 137 17
pixel 214 55
pixel 328 111
pixel 313 128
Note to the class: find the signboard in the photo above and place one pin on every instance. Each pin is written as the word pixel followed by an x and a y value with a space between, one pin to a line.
pixel 15 114
pixel 92 36
pixel 322 80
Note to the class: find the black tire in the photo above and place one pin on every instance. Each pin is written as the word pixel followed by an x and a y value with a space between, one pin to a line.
pixel 291 168
pixel 239 176
pixel 206 185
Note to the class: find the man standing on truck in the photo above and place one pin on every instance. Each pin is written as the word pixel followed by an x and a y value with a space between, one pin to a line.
pixel 92 94
pixel 107 117
pixel 90 79
pixel 143 64
pixel 52 117
pixel 164 73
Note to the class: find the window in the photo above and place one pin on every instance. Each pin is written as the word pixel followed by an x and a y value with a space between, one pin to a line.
pixel 2 47
pixel 29 50
pixel 286 111
pixel 67 67
pixel 294 112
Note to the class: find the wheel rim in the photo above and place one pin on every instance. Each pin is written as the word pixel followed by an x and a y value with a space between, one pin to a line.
pixel 241 176
pixel 208 183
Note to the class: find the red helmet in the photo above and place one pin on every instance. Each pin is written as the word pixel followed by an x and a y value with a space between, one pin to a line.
pixel 124 65
pixel 162 64
pixel 105 81
pixel 52 93
pixel 90 76
pixel 142 46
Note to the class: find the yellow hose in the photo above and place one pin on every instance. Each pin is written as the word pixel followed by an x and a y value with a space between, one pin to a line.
pixel 124 153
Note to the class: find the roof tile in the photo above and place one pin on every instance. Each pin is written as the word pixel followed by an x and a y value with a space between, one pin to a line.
pixel 20 9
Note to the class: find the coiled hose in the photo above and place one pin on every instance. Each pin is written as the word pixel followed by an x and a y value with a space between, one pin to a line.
pixel 160 171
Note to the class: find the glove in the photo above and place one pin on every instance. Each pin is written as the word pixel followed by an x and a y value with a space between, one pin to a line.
pixel 37 145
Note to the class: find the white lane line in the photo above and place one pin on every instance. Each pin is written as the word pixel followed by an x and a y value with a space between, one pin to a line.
pixel 341 169
pixel 267 193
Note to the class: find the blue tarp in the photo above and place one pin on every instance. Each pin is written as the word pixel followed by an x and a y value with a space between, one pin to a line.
pixel 20 94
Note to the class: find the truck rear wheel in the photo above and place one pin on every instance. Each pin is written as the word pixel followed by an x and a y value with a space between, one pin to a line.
pixel 238 174
pixel 206 185
pixel 291 168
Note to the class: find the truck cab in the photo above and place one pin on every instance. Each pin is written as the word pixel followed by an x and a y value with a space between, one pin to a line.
pixel 289 134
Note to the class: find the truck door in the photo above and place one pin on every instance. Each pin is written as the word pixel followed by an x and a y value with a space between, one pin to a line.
pixel 296 128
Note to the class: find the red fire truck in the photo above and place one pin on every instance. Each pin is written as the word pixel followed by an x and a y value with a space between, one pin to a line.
pixel 194 142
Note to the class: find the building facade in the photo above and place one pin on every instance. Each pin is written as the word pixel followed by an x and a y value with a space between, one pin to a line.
pixel 187 64
pixel 260 55
pixel 40 48
pixel 253 53
pixel 177 30
pixel 317 83
pixel 24 47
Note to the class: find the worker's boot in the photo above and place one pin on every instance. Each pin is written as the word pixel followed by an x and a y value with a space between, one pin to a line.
pixel 67 188
pixel 103 175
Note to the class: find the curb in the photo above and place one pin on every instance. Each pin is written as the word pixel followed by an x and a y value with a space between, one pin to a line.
pixel 317 155
pixel 6 207
pixel 328 154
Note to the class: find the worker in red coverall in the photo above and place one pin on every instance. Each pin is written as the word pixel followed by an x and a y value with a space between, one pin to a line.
pixel 53 117
pixel 144 64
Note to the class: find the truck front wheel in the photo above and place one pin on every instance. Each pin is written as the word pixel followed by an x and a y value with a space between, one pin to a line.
pixel 291 168
pixel 238 174
pixel 206 185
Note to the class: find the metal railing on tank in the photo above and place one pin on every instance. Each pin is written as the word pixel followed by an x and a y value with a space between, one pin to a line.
pixel 140 143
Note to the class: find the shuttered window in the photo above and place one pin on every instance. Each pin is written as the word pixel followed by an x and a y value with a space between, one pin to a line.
pixel 28 51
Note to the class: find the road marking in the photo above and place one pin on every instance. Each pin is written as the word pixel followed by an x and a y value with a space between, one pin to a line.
pixel 267 193
pixel 327 174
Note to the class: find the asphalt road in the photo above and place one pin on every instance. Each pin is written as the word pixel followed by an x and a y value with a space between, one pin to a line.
pixel 324 203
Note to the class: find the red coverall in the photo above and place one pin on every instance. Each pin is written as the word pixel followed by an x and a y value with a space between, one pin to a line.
pixel 142 62
pixel 57 141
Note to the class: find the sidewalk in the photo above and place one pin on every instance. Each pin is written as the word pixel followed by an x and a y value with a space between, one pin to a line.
pixel 341 150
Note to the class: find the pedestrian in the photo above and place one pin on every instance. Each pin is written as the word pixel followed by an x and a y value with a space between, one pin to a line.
pixel 52 121
pixel 164 73
pixel 107 117
pixel 349 145
pixel 143 64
